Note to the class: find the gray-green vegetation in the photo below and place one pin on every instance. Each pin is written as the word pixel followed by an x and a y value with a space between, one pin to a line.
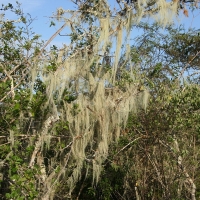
pixel 100 118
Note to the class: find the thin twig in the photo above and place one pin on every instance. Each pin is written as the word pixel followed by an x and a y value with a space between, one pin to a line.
pixel 127 145
pixel 52 37
pixel 186 66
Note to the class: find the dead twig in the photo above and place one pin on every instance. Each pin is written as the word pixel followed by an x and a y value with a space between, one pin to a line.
pixel 128 145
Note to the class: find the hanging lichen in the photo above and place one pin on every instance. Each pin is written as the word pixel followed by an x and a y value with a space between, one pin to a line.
pixel 101 108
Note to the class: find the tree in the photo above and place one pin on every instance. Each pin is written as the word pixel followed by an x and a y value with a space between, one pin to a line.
pixel 80 94
pixel 157 154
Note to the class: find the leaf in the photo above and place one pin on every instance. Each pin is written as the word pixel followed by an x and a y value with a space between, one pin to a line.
pixel 52 24
pixel 185 12
pixel 17 106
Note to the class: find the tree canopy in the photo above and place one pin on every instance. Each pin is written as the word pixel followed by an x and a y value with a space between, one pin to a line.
pixel 100 118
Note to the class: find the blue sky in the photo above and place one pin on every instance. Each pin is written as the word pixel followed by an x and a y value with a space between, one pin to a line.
pixel 41 10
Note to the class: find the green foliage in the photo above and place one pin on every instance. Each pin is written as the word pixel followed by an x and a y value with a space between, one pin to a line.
pixel 156 153
pixel 19 176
